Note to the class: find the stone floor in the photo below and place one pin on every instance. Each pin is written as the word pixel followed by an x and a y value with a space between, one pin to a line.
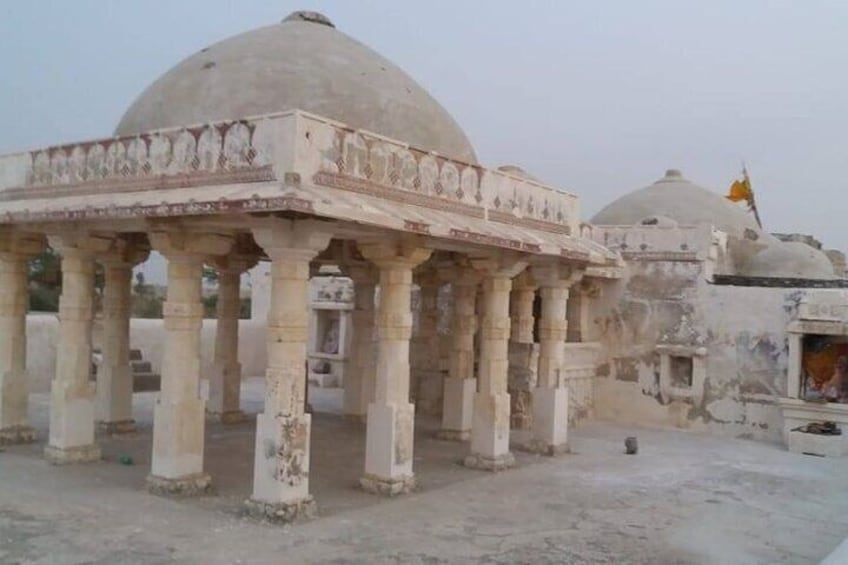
pixel 685 498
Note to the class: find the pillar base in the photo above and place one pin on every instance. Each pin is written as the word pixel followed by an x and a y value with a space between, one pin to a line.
pixel 283 512
pixel 16 435
pixel 388 487
pixel 454 435
pixel 550 421
pixel 228 418
pixel 357 418
pixel 71 455
pixel 483 463
pixel 192 485
pixel 544 448
pixel 115 428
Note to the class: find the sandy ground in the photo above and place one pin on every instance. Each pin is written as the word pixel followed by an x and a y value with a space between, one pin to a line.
pixel 685 498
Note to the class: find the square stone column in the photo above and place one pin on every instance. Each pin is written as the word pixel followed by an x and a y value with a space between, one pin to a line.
pixel 15 252
pixel 550 398
pixel 359 378
pixel 521 308
pixel 72 393
pixel 283 429
pixel 391 417
pixel 460 384
pixel 225 378
pixel 425 356
pixel 490 428
pixel 178 416
pixel 114 374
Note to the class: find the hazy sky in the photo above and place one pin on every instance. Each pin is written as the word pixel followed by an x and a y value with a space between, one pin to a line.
pixel 598 98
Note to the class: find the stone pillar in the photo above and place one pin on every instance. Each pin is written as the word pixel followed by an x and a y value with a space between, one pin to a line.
pixel 550 398
pixel 391 417
pixel 15 251
pixel 521 308
pixel 794 386
pixel 225 378
pixel 359 378
pixel 178 416
pixel 425 355
pixel 114 374
pixel 490 429
pixel 579 313
pixel 460 384
pixel 281 458
pixel 72 393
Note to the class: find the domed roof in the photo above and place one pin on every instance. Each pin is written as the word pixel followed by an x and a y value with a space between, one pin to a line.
pixel 676 198
pixel 302 63
pixel 790 259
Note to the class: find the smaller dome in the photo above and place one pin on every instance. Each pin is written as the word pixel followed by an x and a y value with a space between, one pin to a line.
pixel 789 259
pixel 686 203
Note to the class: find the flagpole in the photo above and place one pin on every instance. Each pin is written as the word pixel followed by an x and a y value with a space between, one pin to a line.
pixel 753 198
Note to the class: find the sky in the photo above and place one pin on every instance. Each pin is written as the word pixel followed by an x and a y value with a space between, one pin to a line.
pixel 597 98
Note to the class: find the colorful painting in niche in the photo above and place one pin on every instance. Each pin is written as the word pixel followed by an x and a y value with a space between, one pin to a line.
pixel 824 368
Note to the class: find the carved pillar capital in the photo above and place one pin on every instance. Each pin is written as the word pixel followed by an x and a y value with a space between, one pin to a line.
pixel 176 244
pixel 20 243
pixel 556 274
pixel 394 254
pixel 80 244
pixel 292 239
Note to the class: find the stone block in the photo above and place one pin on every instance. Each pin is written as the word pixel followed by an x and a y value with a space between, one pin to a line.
pixel 283 512
pixel 458 410
pixel 816 444
pixel 191 485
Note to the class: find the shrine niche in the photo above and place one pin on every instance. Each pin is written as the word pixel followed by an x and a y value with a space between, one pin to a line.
pixel 815 414
pixel 331 301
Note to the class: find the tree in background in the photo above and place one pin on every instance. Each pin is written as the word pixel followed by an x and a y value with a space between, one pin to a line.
pixel 146 303
pixel 45 282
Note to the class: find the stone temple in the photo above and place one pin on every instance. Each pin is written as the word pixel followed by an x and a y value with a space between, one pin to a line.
pixel 386 260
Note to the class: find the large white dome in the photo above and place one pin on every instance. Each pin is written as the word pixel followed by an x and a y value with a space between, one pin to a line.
pixel 302 63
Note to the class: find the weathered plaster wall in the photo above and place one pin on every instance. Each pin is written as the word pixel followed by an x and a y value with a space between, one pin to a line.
pixel 737 333
pixel 146 335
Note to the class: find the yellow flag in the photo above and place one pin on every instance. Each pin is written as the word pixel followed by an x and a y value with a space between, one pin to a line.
pixel 741 190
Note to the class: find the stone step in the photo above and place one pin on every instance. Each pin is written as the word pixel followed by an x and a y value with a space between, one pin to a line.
pixel 141 367
pixel 146 382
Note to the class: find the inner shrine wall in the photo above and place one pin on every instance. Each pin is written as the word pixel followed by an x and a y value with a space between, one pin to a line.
pixel 679 351
pixel 148 335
